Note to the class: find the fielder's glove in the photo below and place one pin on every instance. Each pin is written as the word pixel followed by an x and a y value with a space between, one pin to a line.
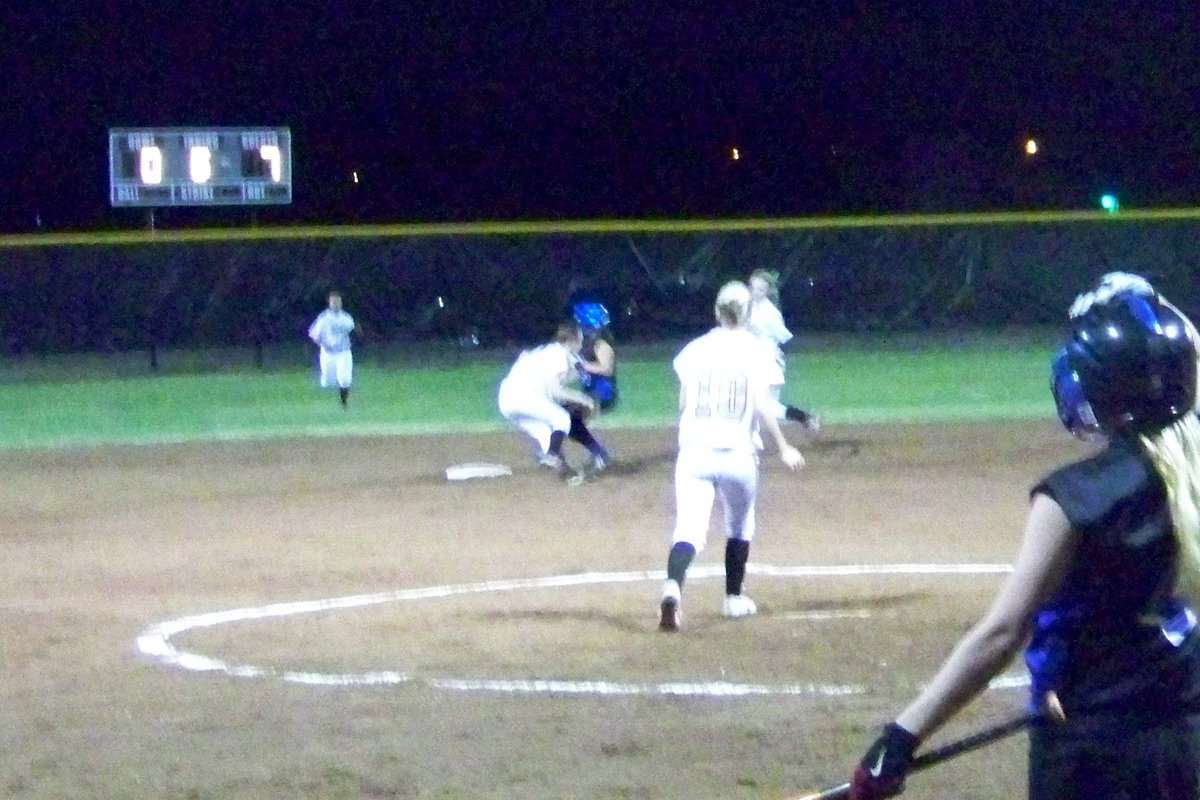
pixel 583 376
pixel 882 770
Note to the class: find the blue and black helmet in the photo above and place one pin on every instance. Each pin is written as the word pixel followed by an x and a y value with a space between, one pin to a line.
pixel 591 316
pixel 1129 365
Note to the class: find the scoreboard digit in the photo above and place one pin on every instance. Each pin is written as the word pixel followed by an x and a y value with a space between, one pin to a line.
pixel 199 166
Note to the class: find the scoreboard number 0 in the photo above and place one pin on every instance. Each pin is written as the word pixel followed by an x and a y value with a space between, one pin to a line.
pixel 199 166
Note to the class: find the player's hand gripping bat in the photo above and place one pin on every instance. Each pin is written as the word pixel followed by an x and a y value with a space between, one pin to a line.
pixel 946 752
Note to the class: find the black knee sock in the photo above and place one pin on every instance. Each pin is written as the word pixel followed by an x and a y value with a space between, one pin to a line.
pixel 737 551
pixel 678 561
pixel 344 394
pixel 797 414
pixel 556 441
pixel 579 432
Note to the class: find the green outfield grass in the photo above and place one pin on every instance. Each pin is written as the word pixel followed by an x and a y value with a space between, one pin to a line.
pixel 846 384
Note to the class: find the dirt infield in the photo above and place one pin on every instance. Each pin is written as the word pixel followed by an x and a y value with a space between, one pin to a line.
pixel 440 684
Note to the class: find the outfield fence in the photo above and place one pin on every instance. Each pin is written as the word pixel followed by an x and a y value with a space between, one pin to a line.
pixel 487 285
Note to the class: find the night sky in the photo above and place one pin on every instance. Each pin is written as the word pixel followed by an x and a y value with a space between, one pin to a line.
pixel 498 110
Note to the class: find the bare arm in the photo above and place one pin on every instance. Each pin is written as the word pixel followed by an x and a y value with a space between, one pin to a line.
pixel 767 422
pixel 1046 550
pixel 605 359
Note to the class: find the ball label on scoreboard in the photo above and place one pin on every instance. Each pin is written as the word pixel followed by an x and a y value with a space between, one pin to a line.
pixel 199 166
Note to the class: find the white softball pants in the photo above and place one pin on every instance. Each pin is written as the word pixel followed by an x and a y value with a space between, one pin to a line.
pixel 700 475
pixel 537 415
pixel 778 408
pixel 336 369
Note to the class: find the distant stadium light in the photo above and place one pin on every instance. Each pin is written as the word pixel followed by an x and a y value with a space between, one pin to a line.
pixel 1031 147
pixel 1110 203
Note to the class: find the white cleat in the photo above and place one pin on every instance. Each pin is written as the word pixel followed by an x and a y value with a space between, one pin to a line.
pixel 559 466
pixel 670 613
pixel 738 605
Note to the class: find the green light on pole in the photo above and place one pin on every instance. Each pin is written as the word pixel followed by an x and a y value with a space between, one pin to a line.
pixel 1110 203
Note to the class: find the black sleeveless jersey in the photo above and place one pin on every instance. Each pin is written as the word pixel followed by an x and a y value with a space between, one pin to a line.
pixel 588 351
pixel 601 387
pixel 1114 634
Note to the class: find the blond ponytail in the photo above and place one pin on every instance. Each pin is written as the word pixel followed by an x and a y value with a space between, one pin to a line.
pixel 1175 453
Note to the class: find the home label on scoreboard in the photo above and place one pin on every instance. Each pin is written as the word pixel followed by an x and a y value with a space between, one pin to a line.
pixel 199 166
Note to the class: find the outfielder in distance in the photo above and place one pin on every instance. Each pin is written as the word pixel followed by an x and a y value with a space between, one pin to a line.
pixel 725 380
pixel 766 321
pixel 331 331
pixel 538 397
pixel 1105 580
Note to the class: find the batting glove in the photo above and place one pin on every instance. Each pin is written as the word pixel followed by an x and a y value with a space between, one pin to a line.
pixel 882 770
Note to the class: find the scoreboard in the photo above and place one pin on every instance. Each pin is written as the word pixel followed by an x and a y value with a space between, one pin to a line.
pixel 199 166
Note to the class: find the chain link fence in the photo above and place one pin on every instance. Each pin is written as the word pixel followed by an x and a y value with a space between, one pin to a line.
pixel 500 287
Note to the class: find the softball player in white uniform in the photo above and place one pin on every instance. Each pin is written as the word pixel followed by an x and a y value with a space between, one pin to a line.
pixel 331 332
pixel 766 321
pixel 532 393
pixel 725 379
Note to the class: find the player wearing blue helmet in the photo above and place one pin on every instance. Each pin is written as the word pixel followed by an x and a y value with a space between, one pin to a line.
pixel 596 370
pixel 1102 592
pixel 597 358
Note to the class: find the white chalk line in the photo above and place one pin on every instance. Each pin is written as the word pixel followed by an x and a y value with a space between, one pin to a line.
pixel 155 641
pixel 822 616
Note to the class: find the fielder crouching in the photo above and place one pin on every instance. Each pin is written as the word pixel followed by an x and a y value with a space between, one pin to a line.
pixel 535 396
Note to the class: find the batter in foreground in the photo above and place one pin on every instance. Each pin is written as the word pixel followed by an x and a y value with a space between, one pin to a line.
pixel 1103 589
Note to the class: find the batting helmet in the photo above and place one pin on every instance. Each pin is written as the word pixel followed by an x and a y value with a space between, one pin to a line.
pixel 1129 365
pixel 591 316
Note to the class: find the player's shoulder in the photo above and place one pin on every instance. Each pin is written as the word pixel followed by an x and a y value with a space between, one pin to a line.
pixel 549 351
pixel 1090 489
pixel 740 339
pixel 699 343
pixel 718 343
